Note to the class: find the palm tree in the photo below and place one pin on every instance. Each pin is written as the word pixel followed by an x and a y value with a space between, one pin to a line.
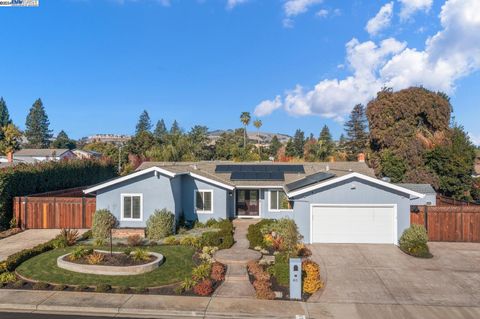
pixel 258 124
pixel 245 119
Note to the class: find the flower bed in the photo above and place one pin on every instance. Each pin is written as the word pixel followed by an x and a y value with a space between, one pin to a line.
pixel 278 241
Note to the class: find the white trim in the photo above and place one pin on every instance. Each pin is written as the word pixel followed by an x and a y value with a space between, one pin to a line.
pixel 395 216
pixel 278 202
pixel 360 176
pixel 195 201
pixel 211 181
pixel 122 196
pixel 130 176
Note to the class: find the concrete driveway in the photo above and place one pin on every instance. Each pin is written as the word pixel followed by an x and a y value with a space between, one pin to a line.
pixel 24 240
pixel 382 274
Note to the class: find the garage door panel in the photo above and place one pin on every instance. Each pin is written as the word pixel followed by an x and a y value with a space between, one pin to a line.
pixel 353 224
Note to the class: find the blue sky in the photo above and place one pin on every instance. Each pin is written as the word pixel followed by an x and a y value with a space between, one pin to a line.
pixel 97 64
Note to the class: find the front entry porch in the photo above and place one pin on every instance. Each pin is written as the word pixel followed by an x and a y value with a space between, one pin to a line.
pixel 247 203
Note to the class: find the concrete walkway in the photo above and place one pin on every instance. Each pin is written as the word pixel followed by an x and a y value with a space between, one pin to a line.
pixel 236 258
pixel 150 306
pixel 24 240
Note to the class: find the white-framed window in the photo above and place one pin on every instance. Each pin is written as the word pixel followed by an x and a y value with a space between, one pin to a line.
pixel 204 201
pixel 132 207
pixel 279 201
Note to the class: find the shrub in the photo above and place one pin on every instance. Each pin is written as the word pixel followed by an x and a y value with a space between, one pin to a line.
pixel 224 224
pixel 218 272
pixel 7 277
pixel 160 224
pixel 140 255
pixel 303 251
pixel 182 231
pixel 13 261
pixel 103 288
pixel 134 240
pixel 281 269
pixel 79 252
pixel 202 271
pixel 70 236
pixel 211 222
pixel 94 258
pixel 19 284
pixel 187 284
pixel 257 271
pixel 140 290
pixel 86 235
pixel 255 236
pixel 190 241
pixel 203 288
pixel 414 241
pixel 121 289
pixel 311 278
pixel 223 239
pixel 81 288
pixel 198 224
pixel 99 242
pixel 263 289
pixel 40 285
pixel 60 287
pixel 60 242
pixel 287 236
pixel 127 251
pixel 171 240
pixel 48 176
pixel 103 222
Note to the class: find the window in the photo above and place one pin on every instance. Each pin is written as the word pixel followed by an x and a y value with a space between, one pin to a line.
pixel 132 206
pixel 204 201
pixel 279 201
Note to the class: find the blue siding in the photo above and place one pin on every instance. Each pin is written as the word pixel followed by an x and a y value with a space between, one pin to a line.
pixel 157 194
pixel 222 201
pixel 340 193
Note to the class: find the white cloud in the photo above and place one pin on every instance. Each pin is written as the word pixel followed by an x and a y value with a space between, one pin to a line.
pixel 450 54
pixel 409 7
pixel 295 7
pixel 268 106
pixel 233 3
pixel 474 138
pixel 323 13
pixel 381 21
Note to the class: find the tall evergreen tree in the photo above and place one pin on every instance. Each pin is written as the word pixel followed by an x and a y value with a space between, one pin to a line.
pixel 175 129
pixel 37 125
pixel 144 124
pixel 290 149
pixel 274 146
pixel 160 131
pixel 63 141
pixel 298 143
pixel 4 115
pixel 357 134
pixel 325 144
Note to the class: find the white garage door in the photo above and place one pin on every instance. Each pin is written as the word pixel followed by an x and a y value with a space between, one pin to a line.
pixel 353 224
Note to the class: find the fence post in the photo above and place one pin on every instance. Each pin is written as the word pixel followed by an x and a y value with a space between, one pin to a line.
pixel 83 212
pixel 25 220
pixel 425 217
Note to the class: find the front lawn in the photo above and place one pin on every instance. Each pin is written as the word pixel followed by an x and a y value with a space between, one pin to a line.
pixel 178 265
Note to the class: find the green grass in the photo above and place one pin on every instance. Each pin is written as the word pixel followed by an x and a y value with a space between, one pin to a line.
pixel 178 264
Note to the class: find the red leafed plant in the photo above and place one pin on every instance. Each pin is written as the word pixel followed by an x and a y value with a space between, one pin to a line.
pixel 218 271
pixel 203 288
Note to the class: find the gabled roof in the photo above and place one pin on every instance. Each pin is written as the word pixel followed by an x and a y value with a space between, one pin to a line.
pixel 419 188
pixel 41 152
pixel 355 175
pixel 157 170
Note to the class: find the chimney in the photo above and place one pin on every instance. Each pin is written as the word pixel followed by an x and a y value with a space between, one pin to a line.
pixel 361 157
pixel 10 157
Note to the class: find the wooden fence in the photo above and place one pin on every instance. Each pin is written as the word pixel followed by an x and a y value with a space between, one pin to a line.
pixel 449 223
pixel 54 212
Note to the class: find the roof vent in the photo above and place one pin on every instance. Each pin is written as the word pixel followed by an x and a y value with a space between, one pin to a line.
pixel 327 168
pixel 194 166
pixel 350 170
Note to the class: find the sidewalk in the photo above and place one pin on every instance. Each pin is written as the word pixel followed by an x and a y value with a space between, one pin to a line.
pixel 149 306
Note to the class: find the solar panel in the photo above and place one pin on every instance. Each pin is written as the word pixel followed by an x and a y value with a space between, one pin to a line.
pixel 309 180
pixel 269 168
pixel 257 176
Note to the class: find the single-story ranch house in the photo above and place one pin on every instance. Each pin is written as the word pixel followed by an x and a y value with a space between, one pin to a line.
pixel 335 202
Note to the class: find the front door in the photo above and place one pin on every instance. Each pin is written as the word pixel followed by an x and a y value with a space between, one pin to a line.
pixel 248 202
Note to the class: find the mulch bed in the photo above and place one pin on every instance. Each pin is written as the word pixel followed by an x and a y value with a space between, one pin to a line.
pixel 113 260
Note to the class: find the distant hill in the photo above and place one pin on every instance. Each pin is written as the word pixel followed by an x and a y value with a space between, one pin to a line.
pixel 264 137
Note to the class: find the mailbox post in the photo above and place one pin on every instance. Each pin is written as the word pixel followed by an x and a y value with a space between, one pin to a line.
pixel 296 278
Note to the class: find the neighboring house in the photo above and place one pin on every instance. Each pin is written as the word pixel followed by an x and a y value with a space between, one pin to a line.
pixel 31 155
pixel 335 202
pixel 83 154
pixel 430 198
pixel 107 138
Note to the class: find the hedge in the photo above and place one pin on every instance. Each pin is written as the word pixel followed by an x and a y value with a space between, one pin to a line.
pixel 27 179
